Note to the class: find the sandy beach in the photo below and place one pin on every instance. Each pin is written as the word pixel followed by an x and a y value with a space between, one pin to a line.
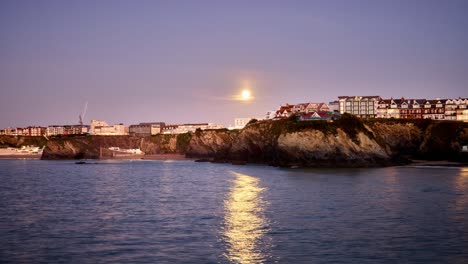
pixel 123 157
pixel 21 156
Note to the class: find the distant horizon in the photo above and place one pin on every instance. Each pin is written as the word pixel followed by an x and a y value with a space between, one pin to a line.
pixel 185 62
pixel 226 125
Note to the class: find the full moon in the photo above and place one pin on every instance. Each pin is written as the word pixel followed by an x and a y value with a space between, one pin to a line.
pixel 245 94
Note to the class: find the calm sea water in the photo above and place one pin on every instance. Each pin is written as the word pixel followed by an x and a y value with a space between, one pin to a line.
pixel 186 212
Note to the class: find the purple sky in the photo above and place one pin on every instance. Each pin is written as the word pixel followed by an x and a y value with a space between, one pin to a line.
pixel 182 61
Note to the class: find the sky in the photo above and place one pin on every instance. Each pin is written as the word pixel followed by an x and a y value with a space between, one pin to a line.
pixel 188 61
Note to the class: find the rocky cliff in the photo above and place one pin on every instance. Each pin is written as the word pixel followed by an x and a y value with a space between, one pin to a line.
pixel 348 142
pixel 93 147
pixel 287 143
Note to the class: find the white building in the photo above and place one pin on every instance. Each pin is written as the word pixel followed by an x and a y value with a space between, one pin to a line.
pixel 57 130
pixel 240 123
pixel 101 128
pixel 361 106
pixel 462 115
pixel 334 106
pixel 270 114
pixel 185 128
pixel 96 123
pixel 146 129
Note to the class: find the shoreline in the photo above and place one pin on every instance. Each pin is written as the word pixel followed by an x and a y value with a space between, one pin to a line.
pixel 413 163
pixel 436 163
pixel 21 156
pixel 149 157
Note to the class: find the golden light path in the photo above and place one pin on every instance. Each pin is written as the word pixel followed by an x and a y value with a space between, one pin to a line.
pixel 245 223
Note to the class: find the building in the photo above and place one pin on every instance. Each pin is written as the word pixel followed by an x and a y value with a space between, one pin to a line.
pixel 434 109
pixel 114 130
pixel 299 108
pixel 270 114
pixel 146 129
pixel 407 109
pixel 393 107
pixel 450 109
pixel 308 107
pixel 6 131
pixel 240 123
pixel 57 130
pixel 96 123
pixel 316 107
pixel 319 115
pixel 462 114
pixel 334 106
pixel 455 109
pixel 411 109
pixel 185 128
pixel 76 129
pixel 17 131
pixel 438 109
pixel 101 128
pixel 30 131
pixel 34 131
pixel 382 107
pixel 284 111
pixel 361 106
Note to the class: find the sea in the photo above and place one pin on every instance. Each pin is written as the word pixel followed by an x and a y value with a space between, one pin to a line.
pixel 146 211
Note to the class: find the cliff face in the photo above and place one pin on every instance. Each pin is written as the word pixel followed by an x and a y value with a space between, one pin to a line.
pixel 90 147
pixel 266 142
pixel 211 143
pixel 442 141
pixel 397 138
pixel 313 148
pixel 345 143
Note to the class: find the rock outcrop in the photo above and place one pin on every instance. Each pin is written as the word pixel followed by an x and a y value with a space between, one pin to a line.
pixel 94 147
pixel 211 144
pixel 348 142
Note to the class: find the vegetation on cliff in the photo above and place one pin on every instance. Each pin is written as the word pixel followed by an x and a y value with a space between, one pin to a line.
pixel 19 141
pixel 183 141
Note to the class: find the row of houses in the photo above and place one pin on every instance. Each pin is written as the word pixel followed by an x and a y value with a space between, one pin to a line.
pixel 147 129
pixel 102 128
pixel 184 128
pixel 53 130
pixel 306 111
pixel 27 131
pixel 377 107
pixel 446 109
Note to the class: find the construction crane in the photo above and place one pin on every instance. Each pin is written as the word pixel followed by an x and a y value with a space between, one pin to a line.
pixel 82 116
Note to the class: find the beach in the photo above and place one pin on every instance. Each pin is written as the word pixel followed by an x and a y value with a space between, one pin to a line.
pixel 21 156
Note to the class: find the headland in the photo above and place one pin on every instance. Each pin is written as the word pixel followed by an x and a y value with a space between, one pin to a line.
pixel 348 142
